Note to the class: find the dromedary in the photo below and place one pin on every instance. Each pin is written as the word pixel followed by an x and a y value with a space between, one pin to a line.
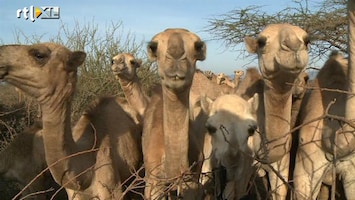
pixel 282 51
pixel 94 159
pixel 23 159
pixel 124 66
pixel 170 146
pixel 232 124
pixel 317 141
pixel 238 74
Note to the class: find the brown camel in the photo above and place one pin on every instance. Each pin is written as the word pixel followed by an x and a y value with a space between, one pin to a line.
pixel 92 161
pixel 23 159
pixel 170 146
pixel 283 53
pixel 331 150
pixel 251 84
pixel 314 161
pixel 124 66
pixel 232 124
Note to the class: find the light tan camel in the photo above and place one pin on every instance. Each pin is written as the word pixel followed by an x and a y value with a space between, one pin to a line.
pixel 170 146
pixel 283 53
pixel 232 125
pixel 94 159
pixel 314 161
pixel 23 159
pixel 225 83
pixel 222 78
pixel 238 74
pixel 124 66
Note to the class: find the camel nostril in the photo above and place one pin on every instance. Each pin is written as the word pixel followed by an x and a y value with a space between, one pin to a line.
pixel 252 129
pixel 211 129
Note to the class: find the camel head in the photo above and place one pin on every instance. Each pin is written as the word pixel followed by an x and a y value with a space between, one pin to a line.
pixel 232 124
pixel 124 65
pixel 41 70
pixel 176 52
pixel 281 48
pixel 209 74
pixel 221 77
pixel 238 73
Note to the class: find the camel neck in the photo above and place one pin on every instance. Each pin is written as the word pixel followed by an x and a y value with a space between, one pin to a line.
pixel 277 105
pixel 60 146
pixel 134 94
pixel 176 131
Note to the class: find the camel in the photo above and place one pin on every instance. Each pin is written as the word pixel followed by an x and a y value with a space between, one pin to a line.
pixel 223 79
pixel 171 146
pixel 282 51
pixel 315 156
pixel 23 159
pixel 251 84
pixel 124 66
pixel 232 126
pixel 227 85
pixel 92 160
pixel 210 75
pixel 237 77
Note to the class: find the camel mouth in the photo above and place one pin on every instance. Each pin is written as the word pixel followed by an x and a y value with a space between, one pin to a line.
pixel 119 71
pixel 176 78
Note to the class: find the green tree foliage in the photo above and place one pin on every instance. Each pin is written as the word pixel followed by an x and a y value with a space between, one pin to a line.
pixel 326 22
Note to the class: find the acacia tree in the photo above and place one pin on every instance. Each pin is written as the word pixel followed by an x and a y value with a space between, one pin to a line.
pixel 326 22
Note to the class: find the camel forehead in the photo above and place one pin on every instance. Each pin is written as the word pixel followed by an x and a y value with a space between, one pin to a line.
pixel 124 56
pixel 231 103
pixel 177 38
pixel 273 30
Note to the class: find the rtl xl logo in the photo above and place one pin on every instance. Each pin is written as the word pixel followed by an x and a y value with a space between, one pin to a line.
pixel 43 12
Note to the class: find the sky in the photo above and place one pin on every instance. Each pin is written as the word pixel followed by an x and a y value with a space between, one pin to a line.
pixel 142 18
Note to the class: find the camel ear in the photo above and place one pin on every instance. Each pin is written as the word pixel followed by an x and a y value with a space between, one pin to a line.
pixel 76 58
pixel 254 102
pixel 206 103
pixel 152 50
pixel 138 62
pixel 200 48
pixel 251 44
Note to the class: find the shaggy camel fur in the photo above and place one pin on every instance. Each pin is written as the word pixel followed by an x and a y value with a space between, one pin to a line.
pixel 170 146
pixel 232 125
pixel 316 158
pixel 124 66
pixel 92 161
pixel 282 53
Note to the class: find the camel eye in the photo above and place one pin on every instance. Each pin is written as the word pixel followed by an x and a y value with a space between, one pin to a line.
pixel 39 56
pixel 211 129
pixel 261 42
pixel 112 61
pixel 307 40
pixel 133 62
pixel 251 130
